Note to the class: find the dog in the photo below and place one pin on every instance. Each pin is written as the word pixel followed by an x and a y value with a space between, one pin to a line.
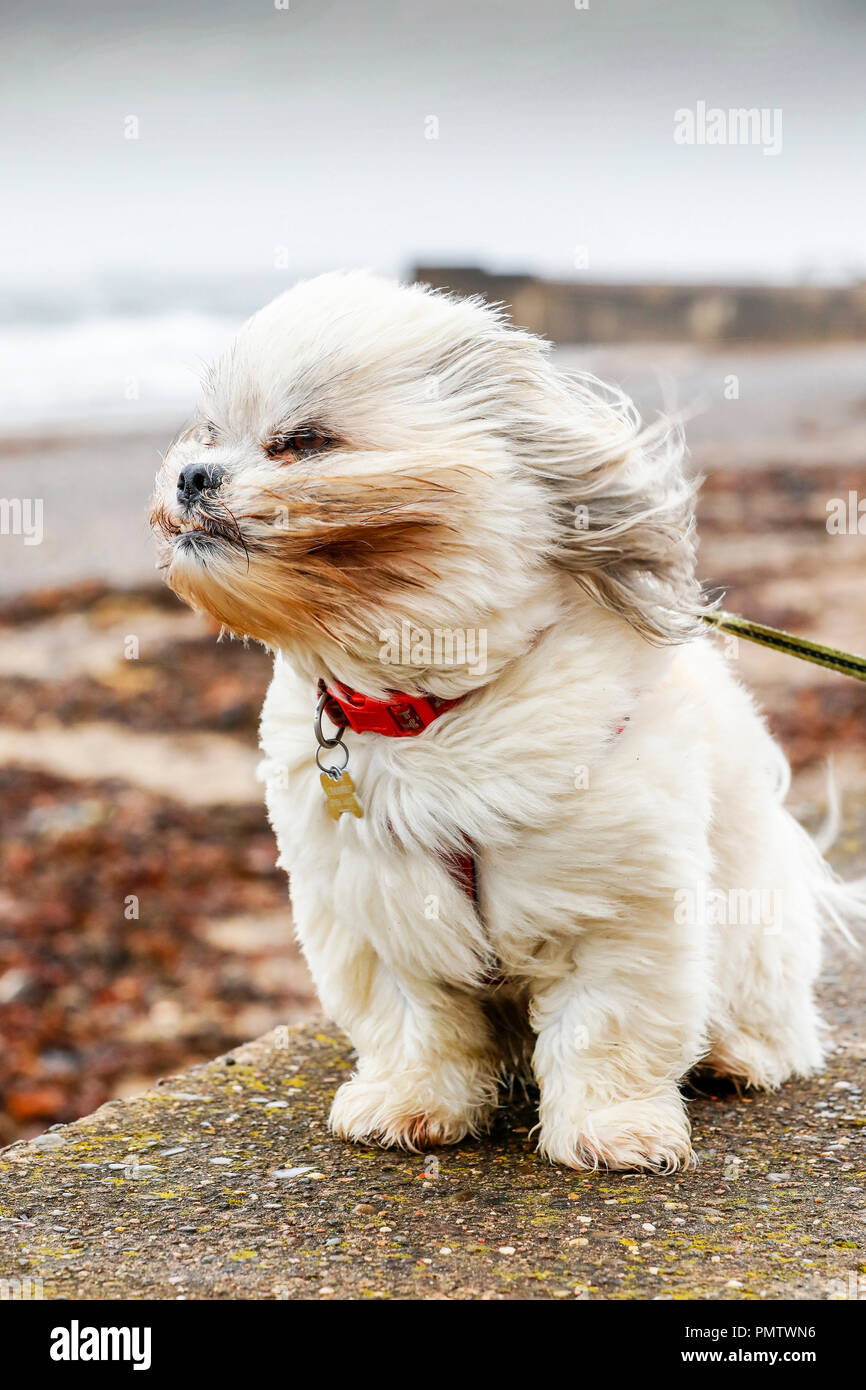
pixel 561 840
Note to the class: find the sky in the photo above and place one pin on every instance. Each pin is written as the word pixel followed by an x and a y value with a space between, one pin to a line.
pixel 274 142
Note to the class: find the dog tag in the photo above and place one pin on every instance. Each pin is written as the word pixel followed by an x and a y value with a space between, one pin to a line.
pixel 340 795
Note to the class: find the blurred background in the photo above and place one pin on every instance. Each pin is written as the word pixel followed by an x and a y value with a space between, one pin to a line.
pixel 171 167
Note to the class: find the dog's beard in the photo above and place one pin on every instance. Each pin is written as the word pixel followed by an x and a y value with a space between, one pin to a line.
pixel 322 558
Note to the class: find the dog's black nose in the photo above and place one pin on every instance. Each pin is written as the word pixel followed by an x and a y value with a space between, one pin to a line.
pixel 197 478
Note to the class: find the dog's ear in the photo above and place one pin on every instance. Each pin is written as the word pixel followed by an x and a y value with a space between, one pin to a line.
pixel 623 506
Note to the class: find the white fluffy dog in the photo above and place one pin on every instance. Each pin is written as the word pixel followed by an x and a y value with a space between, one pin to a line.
pixel 572 850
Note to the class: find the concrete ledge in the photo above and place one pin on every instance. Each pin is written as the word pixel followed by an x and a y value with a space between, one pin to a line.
pixel 223 1183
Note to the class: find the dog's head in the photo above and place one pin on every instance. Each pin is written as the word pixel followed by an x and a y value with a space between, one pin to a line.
pixel 370 458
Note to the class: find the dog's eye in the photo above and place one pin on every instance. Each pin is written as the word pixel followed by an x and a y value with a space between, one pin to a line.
pixel 300 443
pixel 205 433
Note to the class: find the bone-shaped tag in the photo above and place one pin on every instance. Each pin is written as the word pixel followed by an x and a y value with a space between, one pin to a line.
pixel 340 795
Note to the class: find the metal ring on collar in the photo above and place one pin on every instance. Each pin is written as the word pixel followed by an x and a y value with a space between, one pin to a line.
pixel 322 741
pixel 333 771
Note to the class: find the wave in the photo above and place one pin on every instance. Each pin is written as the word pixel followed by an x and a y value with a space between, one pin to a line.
pixel 118 372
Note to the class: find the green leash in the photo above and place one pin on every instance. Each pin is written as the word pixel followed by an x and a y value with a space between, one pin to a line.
pixel 846 663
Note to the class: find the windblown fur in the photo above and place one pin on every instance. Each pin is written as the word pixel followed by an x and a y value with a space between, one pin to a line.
pixel 646 903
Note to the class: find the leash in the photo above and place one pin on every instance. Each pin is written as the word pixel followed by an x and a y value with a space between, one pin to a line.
pixel 845 663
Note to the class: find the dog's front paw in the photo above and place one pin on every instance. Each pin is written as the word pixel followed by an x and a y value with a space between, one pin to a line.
pixel 392 1115
pixel 652 1134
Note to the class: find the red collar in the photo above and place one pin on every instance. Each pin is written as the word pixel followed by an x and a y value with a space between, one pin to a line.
pixel 400 716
